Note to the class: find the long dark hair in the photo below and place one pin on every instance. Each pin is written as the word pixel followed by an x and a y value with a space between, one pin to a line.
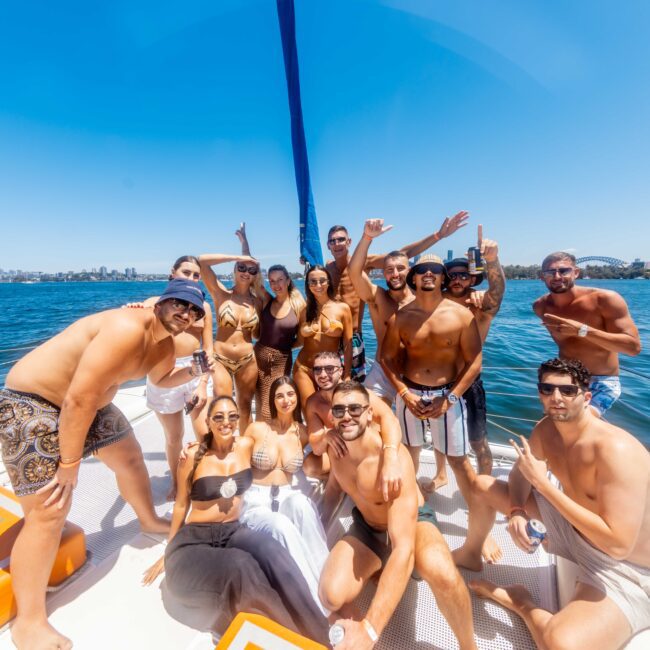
pixel 184 258
pixel 281 381
pixel 313 308
pixel 206 442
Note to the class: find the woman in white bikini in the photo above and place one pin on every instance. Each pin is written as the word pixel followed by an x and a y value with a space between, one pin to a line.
pixel 238 318
pixel 325 326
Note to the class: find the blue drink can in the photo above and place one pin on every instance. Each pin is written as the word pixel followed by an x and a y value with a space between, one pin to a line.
pixel 336 634
pixel 536 532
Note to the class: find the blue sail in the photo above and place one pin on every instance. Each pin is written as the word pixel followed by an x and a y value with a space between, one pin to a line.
pixel 310 247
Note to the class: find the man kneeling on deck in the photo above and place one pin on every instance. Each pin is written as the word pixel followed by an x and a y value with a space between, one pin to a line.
pixel 56 409
pixel 390 537
pixel 599 518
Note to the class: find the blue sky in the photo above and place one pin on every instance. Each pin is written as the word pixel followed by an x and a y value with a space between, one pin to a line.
pixel 134 132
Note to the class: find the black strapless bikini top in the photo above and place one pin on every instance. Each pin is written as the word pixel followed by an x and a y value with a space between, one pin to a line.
pixel 209 488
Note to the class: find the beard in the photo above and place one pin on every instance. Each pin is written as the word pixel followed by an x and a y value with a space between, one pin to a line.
pixel 563 288
pixel 396 285
pixel 428 287
pixel 458 291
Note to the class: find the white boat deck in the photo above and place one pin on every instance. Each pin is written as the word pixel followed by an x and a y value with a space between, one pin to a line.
pixel 105 606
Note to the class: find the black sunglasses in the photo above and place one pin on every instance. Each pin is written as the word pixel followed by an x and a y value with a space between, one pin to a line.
pixel 184 305
pixel 316 281
pixel 242 268
pixel 563 271
pixel 566 390
pixel 337 240
pixel 459 275
pixel 220 418
pixel 275 493
pixel 330 370
pixel 355 410
pixel 421 269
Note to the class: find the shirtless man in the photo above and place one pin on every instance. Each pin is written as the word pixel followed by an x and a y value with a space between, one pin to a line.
pixel 347 289
pixel 328 372
pixel 589 324
pixel 599 518
pixel 56 409
pixel 391 537
pixel 459 288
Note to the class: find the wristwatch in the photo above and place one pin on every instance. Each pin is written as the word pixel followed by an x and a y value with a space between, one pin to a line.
pixel 583 329
pixel 452 399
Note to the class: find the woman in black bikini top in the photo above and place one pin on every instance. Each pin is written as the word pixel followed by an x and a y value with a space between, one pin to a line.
pixel 212 559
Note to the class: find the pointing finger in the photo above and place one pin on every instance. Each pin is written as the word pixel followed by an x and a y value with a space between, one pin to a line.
pixel 516 447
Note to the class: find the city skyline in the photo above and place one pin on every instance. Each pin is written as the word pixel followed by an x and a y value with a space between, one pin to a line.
pixel 157 135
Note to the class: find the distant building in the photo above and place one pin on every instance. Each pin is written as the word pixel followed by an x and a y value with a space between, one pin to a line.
pixel 450 255
pixel 103 272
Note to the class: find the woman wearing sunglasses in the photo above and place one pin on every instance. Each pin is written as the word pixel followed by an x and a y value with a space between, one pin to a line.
pixel 238 322
pixel 325 326
pixel 168 403
pixel 212 559
pixel 273 504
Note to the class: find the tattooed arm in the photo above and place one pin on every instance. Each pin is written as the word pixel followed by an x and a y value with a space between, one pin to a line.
pixel 495 276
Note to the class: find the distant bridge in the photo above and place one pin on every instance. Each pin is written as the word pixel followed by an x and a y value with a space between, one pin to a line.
pixel 611 261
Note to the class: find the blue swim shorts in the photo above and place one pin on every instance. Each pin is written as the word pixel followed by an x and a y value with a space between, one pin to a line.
pixel 605 390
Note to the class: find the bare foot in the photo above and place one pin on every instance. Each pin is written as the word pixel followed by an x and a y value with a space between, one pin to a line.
pixel 467 559
pixel 38 636
pixel 491 551
pixel 514 597
pixel 431 485
pixel 171 495
pixel 156 525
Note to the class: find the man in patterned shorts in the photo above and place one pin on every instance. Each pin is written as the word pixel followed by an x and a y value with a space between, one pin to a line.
pixel 56 409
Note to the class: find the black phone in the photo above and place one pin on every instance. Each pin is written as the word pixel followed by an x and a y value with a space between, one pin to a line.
pixel 191 404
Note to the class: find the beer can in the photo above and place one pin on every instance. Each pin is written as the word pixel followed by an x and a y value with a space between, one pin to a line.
pixel 536 532
pixel 475 261
pixel 336 634
pixel 199 362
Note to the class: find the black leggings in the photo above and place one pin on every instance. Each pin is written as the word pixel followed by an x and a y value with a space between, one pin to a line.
pixel 241 570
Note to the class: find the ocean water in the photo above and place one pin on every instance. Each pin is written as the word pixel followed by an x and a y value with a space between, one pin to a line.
pixel 517 343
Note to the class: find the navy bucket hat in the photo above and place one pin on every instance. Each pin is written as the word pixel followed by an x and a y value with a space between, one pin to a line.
pixel 186 290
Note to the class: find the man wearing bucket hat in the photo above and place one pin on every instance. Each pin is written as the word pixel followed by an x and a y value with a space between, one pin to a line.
pixel 56 410
pixel 459 287
pixel 441 358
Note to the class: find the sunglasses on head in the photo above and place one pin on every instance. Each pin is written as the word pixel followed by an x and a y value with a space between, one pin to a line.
pixel 336 240
pixel 220 418
pixel 459 275
pixel 330 370
pixel 355 410
pixel 434 267
pixel 317 281
pixel 566 390
pixel 242 268
pixel 184 305
pixel 563 271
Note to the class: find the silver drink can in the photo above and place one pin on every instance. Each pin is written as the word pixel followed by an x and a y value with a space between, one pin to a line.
pixel 336 634
pixel 199 362
pixel 536 532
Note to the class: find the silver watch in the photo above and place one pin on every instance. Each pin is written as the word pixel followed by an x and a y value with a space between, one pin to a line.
pixel 452 399
pixel 583 329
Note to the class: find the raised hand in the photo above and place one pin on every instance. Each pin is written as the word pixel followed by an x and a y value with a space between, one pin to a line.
pixel 451 224
pixel 241 233
pixel 375 227
pixel 532 468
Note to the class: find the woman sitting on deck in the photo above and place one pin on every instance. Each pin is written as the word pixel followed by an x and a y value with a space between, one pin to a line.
pixel 238 319
pixel 272 504
pixel 212 559
pixel 325 327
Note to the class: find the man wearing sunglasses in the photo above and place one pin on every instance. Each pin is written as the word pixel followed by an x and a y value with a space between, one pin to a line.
pixel 328 372
pixel 459 287
pixel 598 516
pixel 387 538
pixel 353 287
pixel 589 324
pixel 56 410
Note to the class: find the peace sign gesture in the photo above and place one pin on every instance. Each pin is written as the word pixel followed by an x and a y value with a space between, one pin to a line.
pixel 533 469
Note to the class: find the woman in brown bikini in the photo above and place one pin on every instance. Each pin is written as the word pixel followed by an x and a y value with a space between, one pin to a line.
pixel 237 317
pixel 325 326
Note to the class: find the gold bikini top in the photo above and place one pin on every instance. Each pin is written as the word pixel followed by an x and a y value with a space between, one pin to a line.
pixel 248 321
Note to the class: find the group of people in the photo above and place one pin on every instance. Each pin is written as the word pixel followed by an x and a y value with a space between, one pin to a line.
pixel 244 536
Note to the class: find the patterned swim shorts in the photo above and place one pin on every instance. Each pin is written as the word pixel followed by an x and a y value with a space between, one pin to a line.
pixel 29 434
